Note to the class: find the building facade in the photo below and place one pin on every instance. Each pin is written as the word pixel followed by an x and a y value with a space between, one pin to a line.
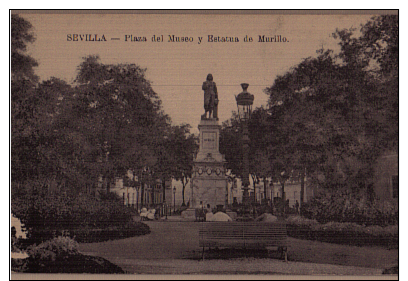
pixel 386 179
pixel 273 190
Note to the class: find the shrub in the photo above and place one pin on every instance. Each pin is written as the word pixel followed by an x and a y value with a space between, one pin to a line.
pixel 60 255
pixel 342 233
pixel 89 235
pixel 300 221
pixel 346 208
pixel 51 249
pixel 47 216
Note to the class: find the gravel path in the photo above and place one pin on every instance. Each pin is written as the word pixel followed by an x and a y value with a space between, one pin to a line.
pixel 238 266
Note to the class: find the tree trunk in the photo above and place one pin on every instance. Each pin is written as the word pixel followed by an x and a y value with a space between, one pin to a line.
pixel 283 196
pixel 108 185
pixel 182 193
pixel 302 186
pixel 184 181
pixel 164 189
pixel 153 203
pixel 253 183
pixel 141 194
pixel 265 196
pixel 283 190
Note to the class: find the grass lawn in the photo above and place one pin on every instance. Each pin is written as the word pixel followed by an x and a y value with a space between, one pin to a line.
pixel 179 240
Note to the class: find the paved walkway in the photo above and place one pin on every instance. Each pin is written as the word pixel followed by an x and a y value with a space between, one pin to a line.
pixel 172 248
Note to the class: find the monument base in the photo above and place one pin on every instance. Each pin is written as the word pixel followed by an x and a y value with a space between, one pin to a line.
pixel 209 182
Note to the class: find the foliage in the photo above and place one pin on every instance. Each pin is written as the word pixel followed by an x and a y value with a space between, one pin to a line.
pixel 21 63
pixel 301 221
pixel 231 144
pixel 259 127
pixel 61 255
pixel 344 207
pixel 343 232
pixel 49 250
pixel 120 115
pixel 335 114
pixel 46 215
pixel 180 147
pixel 107 123
pixel 23 81
pixel 92 235
pixel 78 138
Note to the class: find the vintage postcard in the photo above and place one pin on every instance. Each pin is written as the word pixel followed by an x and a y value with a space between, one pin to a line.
pixel 257 144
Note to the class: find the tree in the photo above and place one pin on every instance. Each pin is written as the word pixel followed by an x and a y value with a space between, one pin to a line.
pixel 56 144
pixel 231 144
pixel 22 86
pixel 119 114
pixel 22 65
pixel 337 112
pixel 23 82
pixel 376 53
pixel 260 126
pixel 181 146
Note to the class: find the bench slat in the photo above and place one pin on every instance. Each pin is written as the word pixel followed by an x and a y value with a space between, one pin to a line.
pixel 242 234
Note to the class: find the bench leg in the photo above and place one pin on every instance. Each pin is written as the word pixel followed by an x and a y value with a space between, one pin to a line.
pixel 285 253
pixel 202 256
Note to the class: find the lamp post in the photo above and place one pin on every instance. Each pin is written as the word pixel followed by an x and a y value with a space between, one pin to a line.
pixel 284 178
pixel 174 199
pixel 244 104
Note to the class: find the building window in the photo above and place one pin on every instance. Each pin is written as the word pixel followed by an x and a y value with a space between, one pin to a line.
pixel 395 186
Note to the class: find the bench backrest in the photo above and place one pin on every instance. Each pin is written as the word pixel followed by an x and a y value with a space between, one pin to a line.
pixel 242 234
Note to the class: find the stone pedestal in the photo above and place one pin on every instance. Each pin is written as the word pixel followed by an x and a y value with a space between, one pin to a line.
pixel 209 183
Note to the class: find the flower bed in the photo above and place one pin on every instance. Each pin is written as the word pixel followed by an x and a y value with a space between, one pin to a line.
pixel 343 233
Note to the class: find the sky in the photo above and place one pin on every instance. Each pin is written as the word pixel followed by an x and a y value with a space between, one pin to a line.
pixel 178 69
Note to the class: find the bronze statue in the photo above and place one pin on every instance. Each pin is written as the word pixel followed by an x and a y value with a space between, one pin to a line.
pixel 210 98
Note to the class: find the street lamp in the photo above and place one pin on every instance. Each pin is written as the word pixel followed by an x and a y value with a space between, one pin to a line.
pixel 284 178
pixel 244 104
pixel 174 199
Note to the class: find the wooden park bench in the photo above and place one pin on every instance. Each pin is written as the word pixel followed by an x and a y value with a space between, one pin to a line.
pixel 249 235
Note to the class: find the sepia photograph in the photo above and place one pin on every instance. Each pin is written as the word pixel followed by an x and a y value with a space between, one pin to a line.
pixel 204 143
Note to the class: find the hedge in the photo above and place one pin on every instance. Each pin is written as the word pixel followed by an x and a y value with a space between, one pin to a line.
pixel 343 233
pixel 46 216
pixel 332 207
